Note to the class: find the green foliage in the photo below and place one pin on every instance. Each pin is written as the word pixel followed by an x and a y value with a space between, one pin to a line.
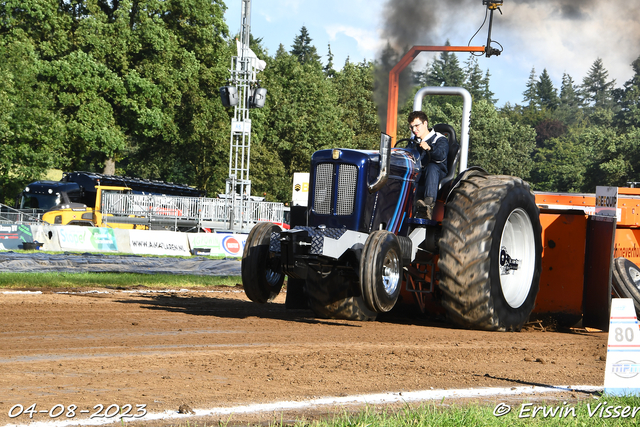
pixel 445 70
pixel 596 90
pixel 628 99
pixel 498 145
pixel 547 94
pixel 30 134
pixel 303 50
pixel 300 117
pixel 475 82
pixel 133 84
pixel 354 86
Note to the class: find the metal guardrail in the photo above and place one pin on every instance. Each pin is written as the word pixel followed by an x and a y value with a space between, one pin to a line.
pixel 188 211
pixel 9 215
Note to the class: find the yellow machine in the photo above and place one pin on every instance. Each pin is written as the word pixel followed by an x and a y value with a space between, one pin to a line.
pixel 80 214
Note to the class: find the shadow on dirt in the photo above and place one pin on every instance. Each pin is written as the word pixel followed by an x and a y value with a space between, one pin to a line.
pixel 538 384
pixel 240 309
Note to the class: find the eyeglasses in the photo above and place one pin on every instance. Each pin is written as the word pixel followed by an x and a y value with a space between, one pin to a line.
pixel 416 125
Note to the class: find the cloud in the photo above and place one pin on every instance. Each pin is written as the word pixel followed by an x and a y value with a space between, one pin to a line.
pixel 368 41
pixel 559 35
pixel 568 36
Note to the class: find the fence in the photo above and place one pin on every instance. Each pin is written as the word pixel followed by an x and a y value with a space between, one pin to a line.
pixel 181 212
pixel 9 215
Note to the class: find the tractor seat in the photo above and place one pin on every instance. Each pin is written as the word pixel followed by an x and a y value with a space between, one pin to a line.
pixel 454 153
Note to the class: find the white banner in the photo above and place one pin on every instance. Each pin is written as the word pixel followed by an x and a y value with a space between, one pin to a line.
pixel 158 242
pixel 92 239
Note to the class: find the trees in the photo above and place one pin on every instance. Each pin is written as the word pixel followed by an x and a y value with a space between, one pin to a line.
pixel 303 50
pixel 445 70
pixel 569 101
pixel 301 116
pixel 547 95
pixel 497 145
pixel 596 90
pixel 628 98
pixel 475 82
pixel 530 95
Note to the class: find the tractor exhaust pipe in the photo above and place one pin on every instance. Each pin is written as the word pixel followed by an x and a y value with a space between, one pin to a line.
pixel 385 161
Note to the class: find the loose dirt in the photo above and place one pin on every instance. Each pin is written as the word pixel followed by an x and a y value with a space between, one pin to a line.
pixel 213 348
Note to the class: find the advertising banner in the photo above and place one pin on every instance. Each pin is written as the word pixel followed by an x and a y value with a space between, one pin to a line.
pixel 233 244
pixel 13 235
pixel 158 242
pixel 208 242
pixel 87 239
pixel 219 244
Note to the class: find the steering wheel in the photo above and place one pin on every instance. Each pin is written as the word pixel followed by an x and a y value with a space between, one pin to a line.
pixel 407 140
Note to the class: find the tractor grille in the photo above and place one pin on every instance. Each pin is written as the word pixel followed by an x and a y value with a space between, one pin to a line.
pixel 345 194
pixel 324 184
pixel 346 189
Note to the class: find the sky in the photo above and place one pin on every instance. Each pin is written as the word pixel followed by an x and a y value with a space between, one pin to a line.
pixel 561 36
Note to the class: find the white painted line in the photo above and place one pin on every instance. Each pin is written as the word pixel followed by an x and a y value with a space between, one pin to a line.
pixel 21 292
pixel 369 399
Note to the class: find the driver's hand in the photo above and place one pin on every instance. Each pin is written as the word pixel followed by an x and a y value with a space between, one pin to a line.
pixel 425 146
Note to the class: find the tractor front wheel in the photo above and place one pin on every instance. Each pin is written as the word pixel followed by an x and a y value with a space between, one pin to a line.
pixel 262 275
pixel 381 271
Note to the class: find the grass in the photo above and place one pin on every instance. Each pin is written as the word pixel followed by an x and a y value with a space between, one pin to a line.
pixel 456 415
pixel 111 280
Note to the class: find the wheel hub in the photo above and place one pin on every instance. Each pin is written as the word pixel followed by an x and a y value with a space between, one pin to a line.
pixel 507 264
pixel 391 272
pixel 517 257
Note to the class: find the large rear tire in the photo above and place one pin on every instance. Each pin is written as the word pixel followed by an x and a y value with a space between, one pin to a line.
pixel 626 281
pixel 490 253
pixel 262 274
pixel 381 271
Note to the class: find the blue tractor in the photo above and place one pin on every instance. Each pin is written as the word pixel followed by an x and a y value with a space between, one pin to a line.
pixel 360 244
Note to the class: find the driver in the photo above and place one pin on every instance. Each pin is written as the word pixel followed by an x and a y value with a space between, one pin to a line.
pixel 433 148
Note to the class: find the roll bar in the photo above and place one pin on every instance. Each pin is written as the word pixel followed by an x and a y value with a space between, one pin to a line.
pixel 466 114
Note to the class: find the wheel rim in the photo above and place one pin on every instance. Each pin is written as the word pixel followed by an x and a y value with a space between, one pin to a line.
pixel 517 258
pixel 634 274
pixel 272 276
pixel 391 272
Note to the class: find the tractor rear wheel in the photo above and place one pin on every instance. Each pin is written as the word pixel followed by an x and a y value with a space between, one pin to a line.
pixel 626 280
pixel 490 253
pixel 262 275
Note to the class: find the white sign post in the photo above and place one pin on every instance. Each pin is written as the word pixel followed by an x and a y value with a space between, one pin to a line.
pixel 607 201
pixel 622 372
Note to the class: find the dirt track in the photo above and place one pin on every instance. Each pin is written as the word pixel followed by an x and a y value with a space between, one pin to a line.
pixel 215 348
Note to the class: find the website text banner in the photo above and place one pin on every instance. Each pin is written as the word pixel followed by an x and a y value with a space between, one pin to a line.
pixel 158 242
pixel 87 239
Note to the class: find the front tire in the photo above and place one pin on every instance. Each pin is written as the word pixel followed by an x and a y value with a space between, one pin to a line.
pixel 332 294
pixel 381 271
pixel 262 275
pixel 490 253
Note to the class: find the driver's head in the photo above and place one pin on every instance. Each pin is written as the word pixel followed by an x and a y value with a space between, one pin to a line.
pixel 418 124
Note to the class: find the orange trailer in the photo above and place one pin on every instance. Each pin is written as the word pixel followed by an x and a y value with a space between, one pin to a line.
pixel 578 252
